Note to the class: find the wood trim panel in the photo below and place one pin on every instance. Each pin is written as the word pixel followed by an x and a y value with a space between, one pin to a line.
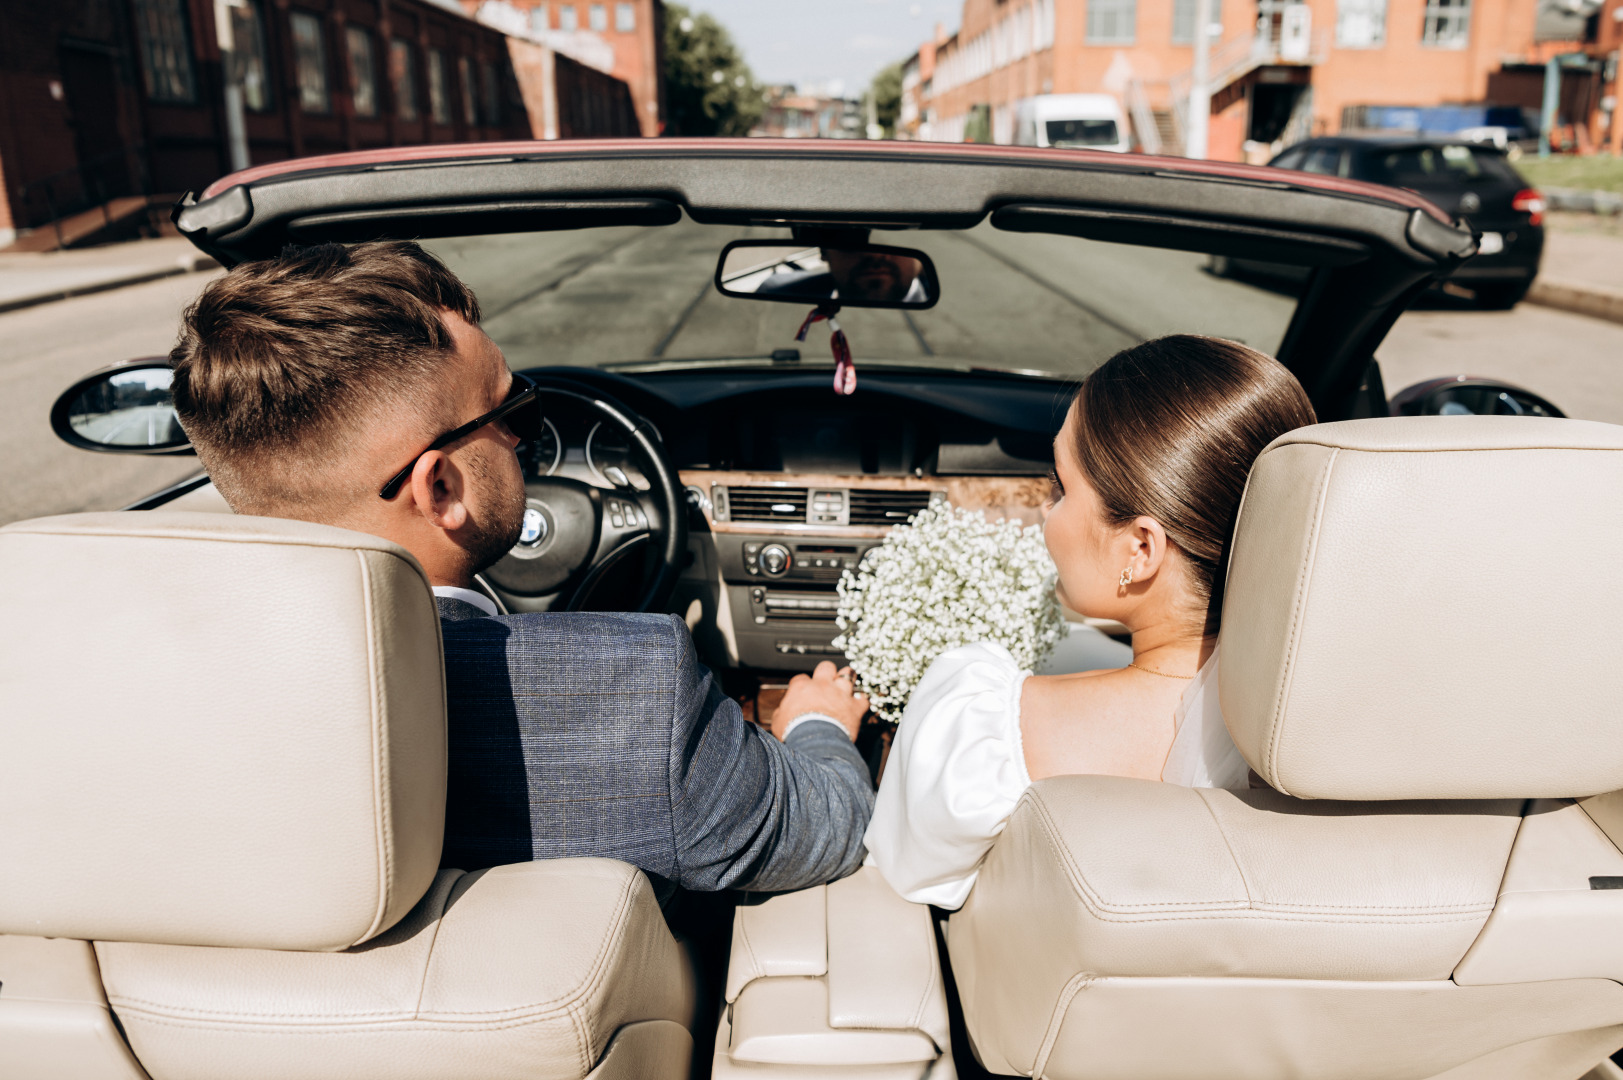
pixel 1017 497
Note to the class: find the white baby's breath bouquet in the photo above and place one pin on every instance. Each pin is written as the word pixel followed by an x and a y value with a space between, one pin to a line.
pixel 947 578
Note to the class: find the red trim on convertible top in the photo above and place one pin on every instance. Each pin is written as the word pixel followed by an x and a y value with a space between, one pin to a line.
pixel 1013 155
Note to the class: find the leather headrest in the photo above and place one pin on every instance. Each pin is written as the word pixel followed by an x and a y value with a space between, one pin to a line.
pixel 1430 608
pixel 216 730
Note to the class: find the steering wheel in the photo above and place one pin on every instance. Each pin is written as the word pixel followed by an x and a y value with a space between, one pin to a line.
pixel 575 532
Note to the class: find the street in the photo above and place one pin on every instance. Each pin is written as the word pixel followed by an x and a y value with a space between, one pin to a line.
pixel 1012 301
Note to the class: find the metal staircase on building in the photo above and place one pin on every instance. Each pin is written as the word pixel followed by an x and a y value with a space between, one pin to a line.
pixel 1159 108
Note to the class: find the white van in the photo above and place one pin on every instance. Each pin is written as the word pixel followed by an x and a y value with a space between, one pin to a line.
pixel 1071 121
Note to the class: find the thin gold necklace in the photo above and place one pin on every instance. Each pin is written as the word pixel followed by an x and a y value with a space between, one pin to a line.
pixel 1163 674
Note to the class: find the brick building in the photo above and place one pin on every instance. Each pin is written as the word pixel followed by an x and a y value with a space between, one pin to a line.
pixel 107 98
pixel 622 38
pixel 1280 69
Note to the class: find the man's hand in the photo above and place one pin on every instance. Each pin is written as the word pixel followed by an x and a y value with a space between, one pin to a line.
pixel 826 691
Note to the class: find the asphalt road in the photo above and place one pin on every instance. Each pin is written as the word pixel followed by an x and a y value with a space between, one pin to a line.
pixel 1015 301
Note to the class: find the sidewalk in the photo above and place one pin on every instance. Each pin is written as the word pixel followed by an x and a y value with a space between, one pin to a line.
pixel 33 278
pixel 1582 272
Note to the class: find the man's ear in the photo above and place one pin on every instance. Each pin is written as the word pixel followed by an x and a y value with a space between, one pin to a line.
pixel 436 490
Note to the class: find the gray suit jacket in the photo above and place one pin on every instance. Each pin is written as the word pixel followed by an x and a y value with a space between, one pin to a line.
pixel 599 734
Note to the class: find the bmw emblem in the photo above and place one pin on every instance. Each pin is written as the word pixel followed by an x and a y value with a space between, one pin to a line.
pixel 535 528
pixel 1470 202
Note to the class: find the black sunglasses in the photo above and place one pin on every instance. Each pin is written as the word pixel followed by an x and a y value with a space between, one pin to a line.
pixel 521 411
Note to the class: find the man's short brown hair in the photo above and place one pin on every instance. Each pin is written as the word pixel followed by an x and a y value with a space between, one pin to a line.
pixel 281 361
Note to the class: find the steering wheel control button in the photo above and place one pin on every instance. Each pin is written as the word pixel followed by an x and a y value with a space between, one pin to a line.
pixel 775 560
pixel 534 530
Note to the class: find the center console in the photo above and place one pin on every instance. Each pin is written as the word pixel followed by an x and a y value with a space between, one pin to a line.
pixel 782 541
pixel 782 594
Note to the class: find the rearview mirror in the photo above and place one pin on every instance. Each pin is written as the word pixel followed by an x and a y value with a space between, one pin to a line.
pixel 852 275
pixel 122 410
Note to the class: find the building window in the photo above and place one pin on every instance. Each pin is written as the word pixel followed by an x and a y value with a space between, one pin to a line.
pixel 363 70
pixel 310 63
pixel 166 51
pixel 598 17
pixel 470 97
pixel 540 21
pixel 1448 24
pixel 1183 22
pixel 1360 24
pixel 1112 22
pixel 403 78
pixel 439 88
pixel 566 17
pixel 253 64
pixel 493 97
pixel 625 18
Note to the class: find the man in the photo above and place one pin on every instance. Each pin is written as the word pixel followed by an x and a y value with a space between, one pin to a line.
pixel 311 385
pixel 853 274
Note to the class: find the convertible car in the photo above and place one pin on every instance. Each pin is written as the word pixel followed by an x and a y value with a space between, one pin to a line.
pixel 222 744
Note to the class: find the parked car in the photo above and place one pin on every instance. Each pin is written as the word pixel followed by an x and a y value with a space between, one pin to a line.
pixel 1471 181
pixel 222 740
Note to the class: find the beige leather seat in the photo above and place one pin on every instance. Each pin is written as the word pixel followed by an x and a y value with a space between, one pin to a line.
pixel 222 782
pixel 1422 654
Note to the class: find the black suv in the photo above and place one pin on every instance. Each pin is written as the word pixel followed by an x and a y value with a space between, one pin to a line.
pixel 1469 181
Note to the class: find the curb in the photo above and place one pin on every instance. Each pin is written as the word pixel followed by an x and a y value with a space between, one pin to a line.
pixel 1609 203
pixel 1579 299
pixel 186 264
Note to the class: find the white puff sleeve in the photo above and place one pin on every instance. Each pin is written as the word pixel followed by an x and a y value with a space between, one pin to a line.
pixel 956 770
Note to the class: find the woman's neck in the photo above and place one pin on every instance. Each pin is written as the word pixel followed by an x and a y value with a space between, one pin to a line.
pixel 1171 649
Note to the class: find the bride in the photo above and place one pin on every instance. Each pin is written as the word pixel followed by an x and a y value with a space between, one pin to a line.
pixel 1148 473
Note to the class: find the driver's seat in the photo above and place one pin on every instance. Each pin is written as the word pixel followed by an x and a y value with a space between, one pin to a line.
pixel 222 782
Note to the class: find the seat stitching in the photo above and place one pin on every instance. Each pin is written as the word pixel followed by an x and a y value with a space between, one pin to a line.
pixel 597 972
pixel 1304 576
pixel 1245 882
pixel 428 957
pixel 917 1015
pixel 383 834
pixel 403 1023
pixel 755 963
pixel 1056 1019
pixel 1106 911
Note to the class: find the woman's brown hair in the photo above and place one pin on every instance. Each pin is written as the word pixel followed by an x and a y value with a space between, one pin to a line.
pixel 1169 429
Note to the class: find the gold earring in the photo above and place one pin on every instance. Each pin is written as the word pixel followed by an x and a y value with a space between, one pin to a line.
pixel 1126 577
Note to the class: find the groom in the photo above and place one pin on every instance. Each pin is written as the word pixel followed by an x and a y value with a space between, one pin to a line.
pixel 306 382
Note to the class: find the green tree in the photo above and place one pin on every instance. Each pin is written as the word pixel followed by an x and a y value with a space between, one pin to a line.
pixel 886 94
pixel 709 90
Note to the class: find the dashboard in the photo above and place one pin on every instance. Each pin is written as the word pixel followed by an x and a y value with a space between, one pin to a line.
pixel 789 485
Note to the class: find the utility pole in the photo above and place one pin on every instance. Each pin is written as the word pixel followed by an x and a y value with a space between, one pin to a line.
pixel 236 126
pixel 1200 89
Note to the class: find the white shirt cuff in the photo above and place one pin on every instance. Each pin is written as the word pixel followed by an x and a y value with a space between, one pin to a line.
pixel 804 717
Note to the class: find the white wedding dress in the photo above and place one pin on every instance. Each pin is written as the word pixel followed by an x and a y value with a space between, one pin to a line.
pixel 956 769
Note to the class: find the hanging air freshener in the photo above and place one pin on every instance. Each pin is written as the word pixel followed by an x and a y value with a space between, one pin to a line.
pixel 845 368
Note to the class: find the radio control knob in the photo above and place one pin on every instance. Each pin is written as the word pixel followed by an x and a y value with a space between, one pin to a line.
pixel 775 559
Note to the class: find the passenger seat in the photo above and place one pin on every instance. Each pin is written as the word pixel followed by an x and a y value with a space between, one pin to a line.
pixel 1422 656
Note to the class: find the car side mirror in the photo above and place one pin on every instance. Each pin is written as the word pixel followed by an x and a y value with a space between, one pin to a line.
pixel 126 409
pixel 850 275
pixel 1462 395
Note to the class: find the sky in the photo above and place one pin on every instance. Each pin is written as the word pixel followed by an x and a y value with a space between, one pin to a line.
pixel 812 42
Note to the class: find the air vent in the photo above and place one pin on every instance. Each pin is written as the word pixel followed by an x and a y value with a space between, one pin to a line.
pixel 869 507
pixel 768 504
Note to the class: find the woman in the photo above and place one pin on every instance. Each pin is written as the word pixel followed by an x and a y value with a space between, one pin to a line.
pixel 1149 470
